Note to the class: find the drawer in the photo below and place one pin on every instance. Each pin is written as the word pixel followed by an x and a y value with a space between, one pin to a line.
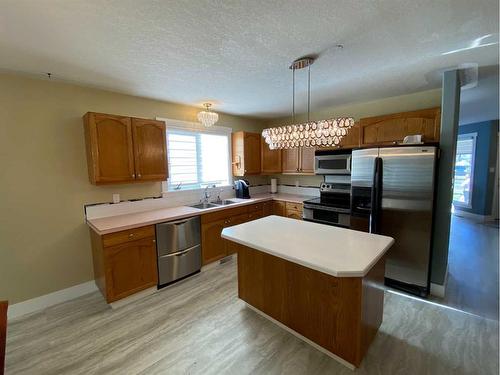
pixel 293 214
pixel 223 214
pixel 128 235
pixel 235 220
pixel 178 235
pixel 294 206
pixel 255 207
pixel 176 265
pixel 254 215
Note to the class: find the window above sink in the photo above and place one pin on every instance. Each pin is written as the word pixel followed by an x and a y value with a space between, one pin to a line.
pixel 197 156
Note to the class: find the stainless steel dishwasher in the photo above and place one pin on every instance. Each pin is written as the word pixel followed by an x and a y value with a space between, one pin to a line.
pixel 179 249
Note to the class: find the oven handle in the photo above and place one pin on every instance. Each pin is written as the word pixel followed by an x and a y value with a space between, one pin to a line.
pixel 324 208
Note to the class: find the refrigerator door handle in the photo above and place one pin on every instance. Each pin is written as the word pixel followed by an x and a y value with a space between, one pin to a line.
pixel 376 196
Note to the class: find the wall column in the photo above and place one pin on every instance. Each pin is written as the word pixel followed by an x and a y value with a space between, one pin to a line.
pixel 450 107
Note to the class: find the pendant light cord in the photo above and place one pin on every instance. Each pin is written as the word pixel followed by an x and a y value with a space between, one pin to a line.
pixel 293 94
pixel 308 91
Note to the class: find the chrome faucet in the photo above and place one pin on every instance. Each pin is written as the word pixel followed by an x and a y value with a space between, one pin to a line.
pixel 219 199
pixel 206 195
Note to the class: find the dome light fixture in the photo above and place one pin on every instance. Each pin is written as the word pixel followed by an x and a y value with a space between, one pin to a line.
pixel 322 133
pixel 207 117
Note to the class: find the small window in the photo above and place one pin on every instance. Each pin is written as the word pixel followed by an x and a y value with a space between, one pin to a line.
pixel 197 157
pixel 464 170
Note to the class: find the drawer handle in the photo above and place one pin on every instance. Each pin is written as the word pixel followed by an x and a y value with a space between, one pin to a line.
pixel 154 241
pixel 131 235
pixel 182 253
pixel 180 222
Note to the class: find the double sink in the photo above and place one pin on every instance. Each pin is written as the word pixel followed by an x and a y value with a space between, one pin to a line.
pixel 204 205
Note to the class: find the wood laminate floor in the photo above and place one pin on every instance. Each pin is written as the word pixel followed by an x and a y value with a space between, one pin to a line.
pixel 200 327
pixel 473 268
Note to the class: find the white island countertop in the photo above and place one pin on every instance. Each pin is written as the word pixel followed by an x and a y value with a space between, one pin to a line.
pixel 332 250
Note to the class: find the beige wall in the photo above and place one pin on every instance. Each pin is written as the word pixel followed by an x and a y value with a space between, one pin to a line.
pixel 419 100
pixel 44 243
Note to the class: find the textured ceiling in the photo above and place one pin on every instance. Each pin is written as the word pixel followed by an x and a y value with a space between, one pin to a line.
pixel 236 53
pixel 480 103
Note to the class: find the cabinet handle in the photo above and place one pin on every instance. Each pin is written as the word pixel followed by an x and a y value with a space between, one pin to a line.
pixel 154 241
pixel 133 175
pixel 139 175
pixel 131 235
pixel 245 171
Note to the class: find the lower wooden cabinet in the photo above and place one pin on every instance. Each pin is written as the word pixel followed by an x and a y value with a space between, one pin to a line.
pixel 213 245
pixel 279 208
pixel 268 208
pixel 130 268
pixel 293 210
pixel 124 262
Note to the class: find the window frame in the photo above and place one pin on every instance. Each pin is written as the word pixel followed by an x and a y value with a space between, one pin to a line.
pixel 195 127
pixel 472 170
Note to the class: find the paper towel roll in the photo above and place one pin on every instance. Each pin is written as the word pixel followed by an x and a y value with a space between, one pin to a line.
pixel 274 185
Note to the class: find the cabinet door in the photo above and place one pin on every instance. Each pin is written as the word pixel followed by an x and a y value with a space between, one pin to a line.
pixel 270 159
pixel 307 159
pixel 150 150
pixel 391 129
pixel 252 153
pixel 279 208
pixel 290 160
pixel 237 146
pixel 294 214
pixel 213 246
pixel 254 215
pixel 268 208
pixel 351 140
pixel 130 267
pixel 109 148
pixel 232 247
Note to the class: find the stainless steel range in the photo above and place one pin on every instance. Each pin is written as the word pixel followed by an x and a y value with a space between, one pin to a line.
pixel 333 207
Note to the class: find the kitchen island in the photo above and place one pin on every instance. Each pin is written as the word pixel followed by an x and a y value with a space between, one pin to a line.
pixel 322 283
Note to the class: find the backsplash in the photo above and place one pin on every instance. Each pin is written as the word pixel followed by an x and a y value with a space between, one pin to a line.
pixel 185 197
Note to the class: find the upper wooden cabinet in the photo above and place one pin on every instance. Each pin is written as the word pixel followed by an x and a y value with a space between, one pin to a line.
pixel 298 160
pixel 351 140
pixel 246 153
pixel 270 159
pixel 150 149
pixel 110 154
pixel 123 149
pixel 391 129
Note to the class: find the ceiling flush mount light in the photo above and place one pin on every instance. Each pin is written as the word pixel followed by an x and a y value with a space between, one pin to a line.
pixel 323 133
pixel 207 117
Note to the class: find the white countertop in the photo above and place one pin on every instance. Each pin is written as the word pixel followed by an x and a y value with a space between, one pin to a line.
pixel 332 250
pixel 117 223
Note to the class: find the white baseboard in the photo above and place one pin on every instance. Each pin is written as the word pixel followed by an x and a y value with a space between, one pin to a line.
pixel 35 304
pixel 438 290
pixel 134 297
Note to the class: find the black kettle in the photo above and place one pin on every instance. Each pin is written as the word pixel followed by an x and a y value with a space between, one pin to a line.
pixel 241 188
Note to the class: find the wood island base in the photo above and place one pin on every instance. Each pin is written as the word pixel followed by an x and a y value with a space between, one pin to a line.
pixel 338 315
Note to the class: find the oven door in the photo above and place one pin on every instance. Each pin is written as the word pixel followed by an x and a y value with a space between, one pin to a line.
pixel 332 164
pixel 327 215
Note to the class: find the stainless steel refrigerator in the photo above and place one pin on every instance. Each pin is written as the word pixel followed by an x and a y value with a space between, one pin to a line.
pixel 392 193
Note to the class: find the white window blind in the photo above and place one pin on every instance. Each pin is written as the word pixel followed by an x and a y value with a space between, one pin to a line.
pixel 197 158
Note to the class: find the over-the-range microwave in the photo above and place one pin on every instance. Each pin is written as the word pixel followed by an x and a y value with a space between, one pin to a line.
pixel 332 162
